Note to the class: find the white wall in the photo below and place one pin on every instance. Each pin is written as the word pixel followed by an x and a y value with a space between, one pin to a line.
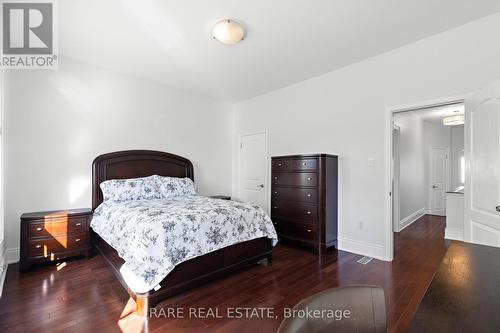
pixel 412 189
pixel 344 112
pixel 57 122
pixel 3 252
pixel 457 147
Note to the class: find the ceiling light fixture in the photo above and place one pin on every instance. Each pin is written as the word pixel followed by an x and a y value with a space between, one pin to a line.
pixel 228 32
pixel 457 119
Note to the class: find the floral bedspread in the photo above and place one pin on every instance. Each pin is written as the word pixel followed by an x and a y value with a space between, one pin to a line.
pixel 153 236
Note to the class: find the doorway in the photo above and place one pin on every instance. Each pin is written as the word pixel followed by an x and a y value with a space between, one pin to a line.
pixel 253 169
pixel 427 164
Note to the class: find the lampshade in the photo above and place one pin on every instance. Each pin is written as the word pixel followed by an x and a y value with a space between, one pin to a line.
pixel 228 32
pixel 458 119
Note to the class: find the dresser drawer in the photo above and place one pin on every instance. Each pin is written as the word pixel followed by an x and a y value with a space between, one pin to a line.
pixel 281 165
pixel 308 179
pixel 295 194
pixel 306 164
pixel 46 246
pixel 54 227
pixel 294 210
pixel 297 230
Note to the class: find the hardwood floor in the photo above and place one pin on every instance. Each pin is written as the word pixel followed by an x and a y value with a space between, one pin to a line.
pixel 84 296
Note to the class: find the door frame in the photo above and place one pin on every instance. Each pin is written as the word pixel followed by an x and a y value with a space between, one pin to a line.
pixel 447 178
pixel 395 181
pixel 267 176
pixel 389 117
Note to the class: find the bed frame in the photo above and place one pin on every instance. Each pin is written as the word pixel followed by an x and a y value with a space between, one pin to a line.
pixel 189 274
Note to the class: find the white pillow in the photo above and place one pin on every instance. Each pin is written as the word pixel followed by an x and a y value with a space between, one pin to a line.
pixel 171 187
pixel 117 190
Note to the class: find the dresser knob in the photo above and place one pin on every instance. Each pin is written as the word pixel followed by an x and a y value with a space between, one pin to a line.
pixel 308 230
pixel 39 229
pixel 304 163
pixel 275 177
pixel 275 192
pixel 78 224
pixel 279 164
pixel 38 246
pixel 309 178
pixel 309 195
pixel 77 240
pixel 275 207
pixel 308 213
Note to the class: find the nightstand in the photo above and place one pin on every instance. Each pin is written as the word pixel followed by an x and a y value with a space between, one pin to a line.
pixel 222 197
pixel 54 235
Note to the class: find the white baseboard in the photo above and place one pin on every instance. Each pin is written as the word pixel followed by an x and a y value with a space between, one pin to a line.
pixel 3 269
pixel 454 234
pixel 3 273
pixel 13 255
pixel 411 218
pixel 362 248
pixel 10 256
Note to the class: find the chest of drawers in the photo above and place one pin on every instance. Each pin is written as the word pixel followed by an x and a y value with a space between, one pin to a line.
pixel 304 195
pixel 50 236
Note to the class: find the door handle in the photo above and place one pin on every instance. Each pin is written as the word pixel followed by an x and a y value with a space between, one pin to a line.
pixel 498 209
pixel 261 185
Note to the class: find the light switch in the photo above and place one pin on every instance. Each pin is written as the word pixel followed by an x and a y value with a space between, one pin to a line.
pixel 371 162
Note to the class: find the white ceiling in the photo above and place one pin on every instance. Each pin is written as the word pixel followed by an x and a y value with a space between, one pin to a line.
pixel 288 40
pixel 436 115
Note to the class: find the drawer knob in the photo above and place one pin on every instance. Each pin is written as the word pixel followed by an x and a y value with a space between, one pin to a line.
pixel 308 213
pixel 38 246
pixel 309 195
pixel 308 230
pixel 275 207
pixel 78 224
pixel 279 164
pixel 39 229
pixel 304 163
pixel 77 240
pixel 275 177
pixel 309 178
pixel 275 192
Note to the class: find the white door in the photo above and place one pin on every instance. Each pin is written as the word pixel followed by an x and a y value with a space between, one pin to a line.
pixel 253 169
pixel 439 176
pixel 482 155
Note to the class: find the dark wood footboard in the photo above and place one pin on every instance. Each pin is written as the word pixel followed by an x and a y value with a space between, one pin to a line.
pixel 191 273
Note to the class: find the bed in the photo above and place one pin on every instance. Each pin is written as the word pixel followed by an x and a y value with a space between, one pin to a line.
pixel 188 274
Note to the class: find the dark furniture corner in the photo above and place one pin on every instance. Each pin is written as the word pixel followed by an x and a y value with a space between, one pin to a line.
pixel 191 273
pixel 222 197
pixel 464 293
pixel 54 235
pixel 304 199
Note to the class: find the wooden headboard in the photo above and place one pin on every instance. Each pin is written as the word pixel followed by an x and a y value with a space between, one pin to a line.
pixel 134 164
